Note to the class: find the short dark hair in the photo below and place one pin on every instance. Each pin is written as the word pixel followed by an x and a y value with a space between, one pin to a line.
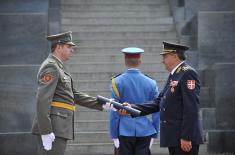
pixel 181 56
pixel 53 46
pixel 133 61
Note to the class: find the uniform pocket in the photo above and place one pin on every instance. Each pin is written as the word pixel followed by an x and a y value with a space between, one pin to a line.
pixel 60 114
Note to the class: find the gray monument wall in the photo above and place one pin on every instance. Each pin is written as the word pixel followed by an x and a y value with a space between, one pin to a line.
pixel 224 95
pixel 216 38
pixel 192 7
pixel 23 46
pixel 17 104
pixel 54 17
pixel 23 28
pixel 223 138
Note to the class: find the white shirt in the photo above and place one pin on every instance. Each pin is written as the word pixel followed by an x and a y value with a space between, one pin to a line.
pixel 173 70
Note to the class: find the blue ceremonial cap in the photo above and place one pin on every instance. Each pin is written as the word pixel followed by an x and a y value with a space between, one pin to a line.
pixel 132 50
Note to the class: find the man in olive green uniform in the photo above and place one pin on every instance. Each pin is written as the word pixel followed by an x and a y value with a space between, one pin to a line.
pixel 56 98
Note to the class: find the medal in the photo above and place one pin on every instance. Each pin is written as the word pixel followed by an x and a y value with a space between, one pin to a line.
pixel 172 89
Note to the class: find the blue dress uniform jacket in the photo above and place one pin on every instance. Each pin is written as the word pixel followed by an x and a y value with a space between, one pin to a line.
pixel 178 104
pixel 133 87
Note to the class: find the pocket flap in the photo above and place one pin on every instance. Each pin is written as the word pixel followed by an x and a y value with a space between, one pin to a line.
pixel 59 114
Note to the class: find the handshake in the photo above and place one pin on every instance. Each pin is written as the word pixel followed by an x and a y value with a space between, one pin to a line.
pixel 110 104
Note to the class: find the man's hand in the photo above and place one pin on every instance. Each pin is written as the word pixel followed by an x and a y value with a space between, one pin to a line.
pixel 108 106
pixel 47 141
pixel 186 146
pixel 123 112
pixel 116 142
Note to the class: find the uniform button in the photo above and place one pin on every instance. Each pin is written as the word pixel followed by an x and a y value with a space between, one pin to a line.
pixel 164 96
pixel 164 121
pixel 164 109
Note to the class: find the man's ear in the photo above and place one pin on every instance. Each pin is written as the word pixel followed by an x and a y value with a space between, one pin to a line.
pixel 176 56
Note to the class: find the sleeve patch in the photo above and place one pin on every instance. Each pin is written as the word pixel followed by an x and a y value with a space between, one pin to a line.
pixel 47 77
pixel 191 84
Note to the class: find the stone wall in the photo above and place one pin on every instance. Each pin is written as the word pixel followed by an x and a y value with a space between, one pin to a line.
pixel 23 46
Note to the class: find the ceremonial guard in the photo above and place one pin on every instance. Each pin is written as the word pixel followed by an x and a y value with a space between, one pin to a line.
pixel 133 136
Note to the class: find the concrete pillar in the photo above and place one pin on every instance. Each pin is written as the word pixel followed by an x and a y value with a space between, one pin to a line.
pixel 223 138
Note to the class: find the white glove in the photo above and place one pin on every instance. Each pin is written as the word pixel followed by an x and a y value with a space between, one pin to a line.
pixel 116 143
pixel 151 143
pixel 108 106
pixel 47 141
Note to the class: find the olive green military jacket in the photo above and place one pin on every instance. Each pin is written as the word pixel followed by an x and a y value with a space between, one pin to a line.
pixel 55 85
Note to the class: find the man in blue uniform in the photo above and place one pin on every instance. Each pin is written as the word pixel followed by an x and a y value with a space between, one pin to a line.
pixel 178 104
pixel 133 134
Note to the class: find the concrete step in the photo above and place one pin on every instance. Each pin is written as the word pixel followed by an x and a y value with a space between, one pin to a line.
pixel 118 21
pixel 89 114
pixel 111 58
pixel 91 137
pixel 119 28
pixel 91 125
pixel 113 49
pixel 94 91
pixel 98 84
pixel 121 42
pixel 108 75
pixel 104 149
pixel 107 149
pixel 124 35
pixel 112 67
pixel 117 7
pixel 112 2
pixel 117 14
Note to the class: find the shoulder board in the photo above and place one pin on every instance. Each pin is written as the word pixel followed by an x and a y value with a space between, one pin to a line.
pixel 182 68
pixel 115 76
pixel 51 61
pixel 149 76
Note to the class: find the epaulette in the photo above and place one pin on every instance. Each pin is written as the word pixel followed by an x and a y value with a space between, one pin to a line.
pixel 178 70
pixel 182 68
pixel 149 76
pixel 115 89
pixel 115 76
pixel 51 61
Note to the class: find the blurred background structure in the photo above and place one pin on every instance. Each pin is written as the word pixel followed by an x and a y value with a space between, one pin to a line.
pixel 101 28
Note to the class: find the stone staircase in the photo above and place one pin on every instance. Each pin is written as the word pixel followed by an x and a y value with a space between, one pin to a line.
pixel 101 28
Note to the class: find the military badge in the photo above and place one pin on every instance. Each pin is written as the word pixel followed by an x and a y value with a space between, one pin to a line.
pixel 185 68
pixel 178 70
pixel 191 84
pixel 47 77
pixel 173 83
